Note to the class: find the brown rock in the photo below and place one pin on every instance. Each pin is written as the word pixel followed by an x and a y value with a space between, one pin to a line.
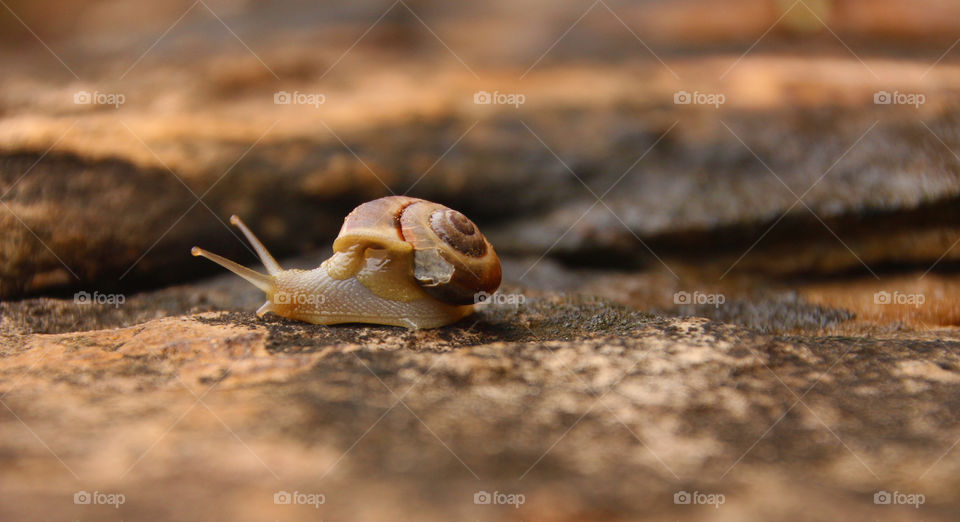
pixel 587 409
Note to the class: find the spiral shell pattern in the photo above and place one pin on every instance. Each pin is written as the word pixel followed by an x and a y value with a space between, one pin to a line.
pixel 453 261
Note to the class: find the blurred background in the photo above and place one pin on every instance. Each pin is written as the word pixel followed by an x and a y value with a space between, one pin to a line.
pixel 739 144
pixel 801 158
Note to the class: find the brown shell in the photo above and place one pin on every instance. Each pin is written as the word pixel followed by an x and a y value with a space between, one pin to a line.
pixel 452 260
pixel 374 222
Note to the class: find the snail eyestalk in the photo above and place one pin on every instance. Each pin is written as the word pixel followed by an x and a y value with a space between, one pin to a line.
pixel 261 281
pixel 268 261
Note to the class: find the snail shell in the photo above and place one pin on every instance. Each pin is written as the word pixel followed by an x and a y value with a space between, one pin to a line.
pixel 452 260
pixel 397 260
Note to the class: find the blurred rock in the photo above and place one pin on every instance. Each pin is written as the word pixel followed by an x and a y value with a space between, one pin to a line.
pixel 107 195
pixel 878 189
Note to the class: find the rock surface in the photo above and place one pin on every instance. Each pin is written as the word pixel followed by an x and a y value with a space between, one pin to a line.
pixel 588 409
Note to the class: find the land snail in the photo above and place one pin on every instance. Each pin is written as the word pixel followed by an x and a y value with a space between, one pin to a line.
pixel 397 261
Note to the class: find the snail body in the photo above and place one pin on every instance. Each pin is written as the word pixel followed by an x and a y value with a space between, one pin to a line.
pixel 397 261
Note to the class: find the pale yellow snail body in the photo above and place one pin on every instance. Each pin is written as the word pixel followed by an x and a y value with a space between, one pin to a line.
pixel 397 261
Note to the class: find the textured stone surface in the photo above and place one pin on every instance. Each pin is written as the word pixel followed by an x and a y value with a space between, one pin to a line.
pixel 587 408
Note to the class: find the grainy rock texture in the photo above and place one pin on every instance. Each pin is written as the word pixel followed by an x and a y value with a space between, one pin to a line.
pixel 588 409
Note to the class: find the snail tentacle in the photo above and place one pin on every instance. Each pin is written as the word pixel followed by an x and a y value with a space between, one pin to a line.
pixel 268 261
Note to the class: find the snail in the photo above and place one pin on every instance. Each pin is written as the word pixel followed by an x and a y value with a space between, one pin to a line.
pixel 397 261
